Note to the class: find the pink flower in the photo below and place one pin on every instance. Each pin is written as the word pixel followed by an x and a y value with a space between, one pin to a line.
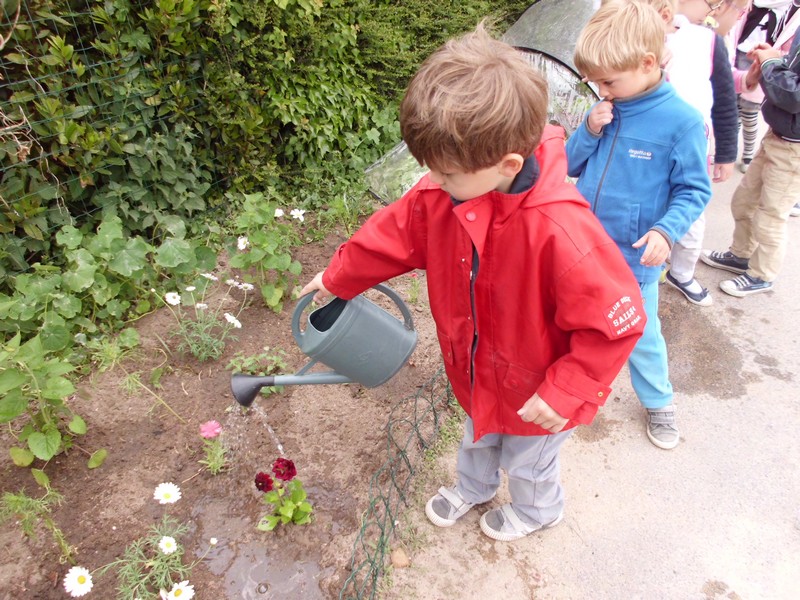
pixel 210 429
pixel 284 469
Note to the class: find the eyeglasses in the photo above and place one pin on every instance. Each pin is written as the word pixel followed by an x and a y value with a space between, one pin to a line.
pixel 715 6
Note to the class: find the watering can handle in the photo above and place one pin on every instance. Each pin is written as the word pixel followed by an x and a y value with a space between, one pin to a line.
pixel 304 301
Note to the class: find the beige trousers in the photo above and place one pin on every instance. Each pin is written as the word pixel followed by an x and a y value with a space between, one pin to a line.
pixel 761 204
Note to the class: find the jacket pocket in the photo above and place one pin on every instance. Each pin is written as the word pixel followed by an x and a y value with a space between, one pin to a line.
pixel 522 381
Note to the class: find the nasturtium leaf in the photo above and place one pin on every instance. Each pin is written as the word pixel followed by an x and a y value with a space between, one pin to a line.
pixel 128 338
pixel 69 237
pixel 174 252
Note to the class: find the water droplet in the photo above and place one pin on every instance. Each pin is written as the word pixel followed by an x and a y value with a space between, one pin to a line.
pixel 262 588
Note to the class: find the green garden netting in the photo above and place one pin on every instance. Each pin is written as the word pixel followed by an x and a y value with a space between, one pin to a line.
pixel 412 428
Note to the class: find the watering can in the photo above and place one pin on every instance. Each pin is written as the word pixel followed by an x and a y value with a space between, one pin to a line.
pixel 356 338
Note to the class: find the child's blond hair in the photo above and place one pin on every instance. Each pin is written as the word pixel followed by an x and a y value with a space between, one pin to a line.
pixel 618 36
pixel 473 101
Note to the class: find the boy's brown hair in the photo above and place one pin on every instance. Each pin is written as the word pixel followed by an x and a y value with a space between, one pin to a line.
pixel 473 101
pixel 618 36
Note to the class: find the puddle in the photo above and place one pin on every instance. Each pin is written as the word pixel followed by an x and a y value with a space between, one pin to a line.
pixel 254 575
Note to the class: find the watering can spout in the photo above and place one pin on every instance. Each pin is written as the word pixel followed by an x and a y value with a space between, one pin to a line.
pixel 245 388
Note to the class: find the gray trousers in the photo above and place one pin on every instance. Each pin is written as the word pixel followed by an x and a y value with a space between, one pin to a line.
pixel 531 463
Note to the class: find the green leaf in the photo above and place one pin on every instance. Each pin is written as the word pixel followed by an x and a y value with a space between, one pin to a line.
pixel 21 456
pixel 77 425
pixel 132 258
pixel 128 338
pixel 287 509
pixel 41 478
pixel 55 337
pixel 57 388
pixel 12 405
pixel 69 237
pixel 97 458
pixel 81 271
pixel 10 379
pixel 45 445
pixel 174 252
pixel 267 523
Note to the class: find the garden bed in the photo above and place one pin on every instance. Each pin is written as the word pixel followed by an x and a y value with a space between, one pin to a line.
pixel 335 434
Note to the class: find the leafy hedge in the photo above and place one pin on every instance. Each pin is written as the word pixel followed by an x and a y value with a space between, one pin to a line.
pixel 138 136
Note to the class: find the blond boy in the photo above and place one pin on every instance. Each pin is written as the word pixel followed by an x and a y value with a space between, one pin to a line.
pixel 640 159
pixel 535 309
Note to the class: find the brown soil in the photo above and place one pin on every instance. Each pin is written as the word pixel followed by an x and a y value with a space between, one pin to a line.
pixel 335 434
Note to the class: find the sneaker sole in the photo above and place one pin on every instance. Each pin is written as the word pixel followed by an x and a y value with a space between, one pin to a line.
pixel 436 519
pixel 707 301
pixel 512 537
pixel 717 265
pixel 742 293
pixel 661 444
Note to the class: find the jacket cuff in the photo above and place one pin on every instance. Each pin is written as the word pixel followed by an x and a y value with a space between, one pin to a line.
pixel 573 395
pixel 663 234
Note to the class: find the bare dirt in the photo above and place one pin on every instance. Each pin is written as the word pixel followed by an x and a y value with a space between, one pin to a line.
pixel 335 434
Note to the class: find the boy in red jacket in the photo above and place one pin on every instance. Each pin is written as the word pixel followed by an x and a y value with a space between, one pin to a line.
pixel 536 310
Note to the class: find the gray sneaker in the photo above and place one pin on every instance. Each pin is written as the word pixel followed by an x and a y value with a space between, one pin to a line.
pixel 662 428
pixel 447 507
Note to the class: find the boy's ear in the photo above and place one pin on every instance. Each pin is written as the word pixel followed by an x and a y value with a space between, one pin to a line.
pixel 511 164
pixel 650 62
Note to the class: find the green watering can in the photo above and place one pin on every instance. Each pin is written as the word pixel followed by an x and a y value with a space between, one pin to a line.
pixel 357 339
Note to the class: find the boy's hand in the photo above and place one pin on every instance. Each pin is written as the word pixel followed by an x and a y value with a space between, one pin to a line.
pixel 600 116
pixel 752 76
pixel 540 412
pixel 762 51
pixel 722 171
pixel 316 284
pixel 656 251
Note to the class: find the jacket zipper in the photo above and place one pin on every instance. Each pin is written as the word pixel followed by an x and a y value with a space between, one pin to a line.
pixel 618 116
pixel 472 276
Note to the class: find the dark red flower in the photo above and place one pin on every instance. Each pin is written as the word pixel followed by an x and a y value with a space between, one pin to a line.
pixel 284 469
pixel 263 482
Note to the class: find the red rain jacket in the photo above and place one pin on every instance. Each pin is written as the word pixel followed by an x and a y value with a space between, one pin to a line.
pixel 556 308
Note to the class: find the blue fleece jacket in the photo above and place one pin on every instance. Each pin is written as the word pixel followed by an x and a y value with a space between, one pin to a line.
pixel 646 170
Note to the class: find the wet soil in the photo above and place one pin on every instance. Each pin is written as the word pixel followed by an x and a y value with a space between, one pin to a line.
pixel 335 434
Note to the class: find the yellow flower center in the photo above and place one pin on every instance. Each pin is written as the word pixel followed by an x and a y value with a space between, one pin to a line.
pixel 81 579
pixel 178 593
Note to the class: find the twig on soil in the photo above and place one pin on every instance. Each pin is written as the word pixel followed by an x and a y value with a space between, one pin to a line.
pixel 161 400
pixel 192 477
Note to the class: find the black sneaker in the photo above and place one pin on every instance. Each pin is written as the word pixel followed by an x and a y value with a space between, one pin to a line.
pixel 744 285
pixel 724 260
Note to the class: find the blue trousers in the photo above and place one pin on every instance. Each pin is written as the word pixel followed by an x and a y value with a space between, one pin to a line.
pixel 648 361
pixel 531 462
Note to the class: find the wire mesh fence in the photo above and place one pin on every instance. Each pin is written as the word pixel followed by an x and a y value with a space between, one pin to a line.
pixel 412 428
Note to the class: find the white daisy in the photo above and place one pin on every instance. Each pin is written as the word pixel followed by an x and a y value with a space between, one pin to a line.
pixel 297 213
pixel 181 591
pixel 242 243
pixel 231 282
pixel 247 287
pixel 167 545
pixel 233 320
pixel 201 306
pixel 173 298
pixel 209 276
pixel 213 541
pixel 78 582
pixel 191 288
pixel 279 213
pixel 167 493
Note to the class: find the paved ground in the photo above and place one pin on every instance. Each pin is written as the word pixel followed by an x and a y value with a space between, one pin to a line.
pixel 718 517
